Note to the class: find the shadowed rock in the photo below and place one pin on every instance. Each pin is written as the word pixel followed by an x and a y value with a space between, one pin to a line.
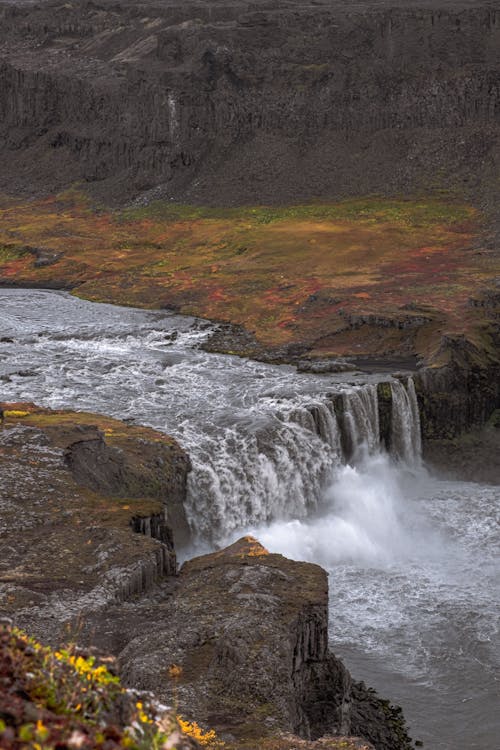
pixel 243 103
pixel 248 633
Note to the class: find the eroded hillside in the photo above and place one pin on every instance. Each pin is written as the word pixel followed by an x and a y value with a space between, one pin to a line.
pixel 250 102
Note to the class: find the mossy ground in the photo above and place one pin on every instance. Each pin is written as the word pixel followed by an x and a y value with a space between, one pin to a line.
pixel 59 425
pixel 67 699
pixel 298 274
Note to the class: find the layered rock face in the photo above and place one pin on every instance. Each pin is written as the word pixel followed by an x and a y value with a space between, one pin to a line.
pixel 74 489
pixel 463 394
pixel 242 646
pixel 250 101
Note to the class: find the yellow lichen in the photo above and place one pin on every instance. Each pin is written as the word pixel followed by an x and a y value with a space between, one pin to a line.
pixel 206 739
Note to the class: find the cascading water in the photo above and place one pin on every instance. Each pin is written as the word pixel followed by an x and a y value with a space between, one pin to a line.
pixel 361 421
pixel 277 465
pixel 173 118
pixel 271 462
pixel 297 459
pixel 264 445
pixel 406 442
pixel 359 519
pixel 267 443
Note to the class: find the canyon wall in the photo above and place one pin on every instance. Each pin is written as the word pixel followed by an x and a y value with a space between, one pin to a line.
pixel 250 101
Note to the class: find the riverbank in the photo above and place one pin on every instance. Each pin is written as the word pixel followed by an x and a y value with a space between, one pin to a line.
pixel 364 278
pixel 372 284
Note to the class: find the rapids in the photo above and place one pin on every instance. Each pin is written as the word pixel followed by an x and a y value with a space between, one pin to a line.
pixel 296 459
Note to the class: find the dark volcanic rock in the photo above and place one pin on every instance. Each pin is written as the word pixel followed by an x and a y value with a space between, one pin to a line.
pixel 248 634
pixel 250 102
pixel 322 366
pixel 460 395
pixel 131 469
pixel 471 457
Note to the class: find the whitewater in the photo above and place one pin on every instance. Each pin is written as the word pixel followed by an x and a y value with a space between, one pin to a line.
pixel 296 460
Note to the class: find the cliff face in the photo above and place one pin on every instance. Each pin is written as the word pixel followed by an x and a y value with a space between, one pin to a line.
pixel 248 634
pixel 462 394
pixel 251 101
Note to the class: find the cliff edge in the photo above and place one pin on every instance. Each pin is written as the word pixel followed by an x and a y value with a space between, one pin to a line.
pixel 250 102
pixel 247 633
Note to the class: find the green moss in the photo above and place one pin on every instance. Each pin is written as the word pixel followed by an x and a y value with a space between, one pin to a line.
pixel 384 391
pixel 413 213
pixel 11 252
pixel 494 420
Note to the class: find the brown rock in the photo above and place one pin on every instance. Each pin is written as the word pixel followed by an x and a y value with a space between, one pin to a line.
pixel 74 489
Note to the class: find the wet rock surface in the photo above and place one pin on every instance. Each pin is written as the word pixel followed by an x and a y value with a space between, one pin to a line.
pixel 471 457
pixel 462 394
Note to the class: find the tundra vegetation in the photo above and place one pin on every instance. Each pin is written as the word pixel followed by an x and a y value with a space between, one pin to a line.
pixel 362 276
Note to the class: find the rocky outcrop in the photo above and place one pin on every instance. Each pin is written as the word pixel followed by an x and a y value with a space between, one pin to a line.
pixel 122 467
pixel 243 102
pixel 460 395
pixel 246 638
pixel 74 489
pixel 471 456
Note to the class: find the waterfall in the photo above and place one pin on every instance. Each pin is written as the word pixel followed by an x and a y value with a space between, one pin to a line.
pixel 361 420
pixel 265 442
pixel 273 465
pixel 320 418
pixel 406 441
pixel 173 118
pixel 277 462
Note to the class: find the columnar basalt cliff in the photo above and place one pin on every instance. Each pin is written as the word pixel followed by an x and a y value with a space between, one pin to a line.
pixel 248 634
pixel 250 101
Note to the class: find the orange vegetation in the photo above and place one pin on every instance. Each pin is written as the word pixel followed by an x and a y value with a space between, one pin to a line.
pixel 303 274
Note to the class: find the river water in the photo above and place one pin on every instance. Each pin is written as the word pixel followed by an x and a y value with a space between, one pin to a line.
pixel 295 460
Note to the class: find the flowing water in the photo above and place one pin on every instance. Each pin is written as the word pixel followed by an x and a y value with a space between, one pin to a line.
pixel 296 460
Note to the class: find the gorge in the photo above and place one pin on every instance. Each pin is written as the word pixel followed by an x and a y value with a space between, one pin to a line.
pixel 250 326
pixel 296 460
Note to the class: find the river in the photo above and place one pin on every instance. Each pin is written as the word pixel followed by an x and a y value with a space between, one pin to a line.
pixel 412 560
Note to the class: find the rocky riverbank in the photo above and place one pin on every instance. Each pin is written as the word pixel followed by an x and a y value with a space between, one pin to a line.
pixel 74 489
